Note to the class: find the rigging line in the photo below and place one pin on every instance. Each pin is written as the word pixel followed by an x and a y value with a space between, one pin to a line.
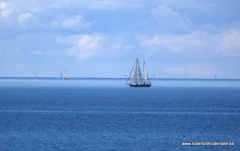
pixel 131 72
pixel 143 71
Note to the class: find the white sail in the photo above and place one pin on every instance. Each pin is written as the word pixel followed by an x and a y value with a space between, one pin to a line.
pixel 137 77
pixel 146 80
pixel 65 75
pixel 134 77
pixel 137 80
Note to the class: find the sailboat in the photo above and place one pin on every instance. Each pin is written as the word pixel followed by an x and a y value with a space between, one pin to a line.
pixel 65 75
pixel 137 80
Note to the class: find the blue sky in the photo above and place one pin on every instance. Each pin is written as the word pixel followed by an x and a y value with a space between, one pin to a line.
pixel 102 38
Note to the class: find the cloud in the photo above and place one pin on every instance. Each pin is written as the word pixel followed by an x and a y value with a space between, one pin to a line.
pixel 6 13
pixel 84 46
pixel 169 20
pixel 196 41
pixel 230 45
pixel 210 28
pixel 73 22
pixel 101 45
pixel 26 16
pixel 5 9
pixel 27 21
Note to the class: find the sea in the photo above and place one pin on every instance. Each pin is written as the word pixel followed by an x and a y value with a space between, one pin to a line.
pixel 81 114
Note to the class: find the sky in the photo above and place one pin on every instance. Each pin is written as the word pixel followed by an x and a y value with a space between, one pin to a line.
pixel 102 38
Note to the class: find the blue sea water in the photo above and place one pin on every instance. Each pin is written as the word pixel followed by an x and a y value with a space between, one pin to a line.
pixel 105 114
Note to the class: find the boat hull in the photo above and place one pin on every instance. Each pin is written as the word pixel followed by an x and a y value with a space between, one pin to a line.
pixel 140 85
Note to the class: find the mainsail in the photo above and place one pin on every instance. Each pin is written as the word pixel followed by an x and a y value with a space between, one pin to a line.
pixel 146 80
pixel 137 77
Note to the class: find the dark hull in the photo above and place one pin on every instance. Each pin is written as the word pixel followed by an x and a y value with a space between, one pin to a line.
pixel 140 85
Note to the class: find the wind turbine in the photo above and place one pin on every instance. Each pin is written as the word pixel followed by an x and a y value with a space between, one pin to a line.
pixel 126 75
pixel 153 76
pixel 35 74
pixel 61 73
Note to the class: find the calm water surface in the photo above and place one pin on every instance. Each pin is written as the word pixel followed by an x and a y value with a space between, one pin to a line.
pixel 105 114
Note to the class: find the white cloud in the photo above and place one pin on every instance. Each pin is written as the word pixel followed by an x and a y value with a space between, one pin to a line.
pixel 210 28
pixel 85 46
pixel 6 13
pixel 5 9
pixel 26 21
pixel 196 41
pixel 230 45
pixel 168 20
pixel 3 5
pixel 74 22
pixel 23 17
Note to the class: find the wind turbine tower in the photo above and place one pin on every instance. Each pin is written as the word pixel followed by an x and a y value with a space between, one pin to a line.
pixel 154 76
pixel 126 75
pixel 35 75
pixel 61 73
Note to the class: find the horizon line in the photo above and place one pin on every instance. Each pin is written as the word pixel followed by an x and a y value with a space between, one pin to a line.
pixel 122 78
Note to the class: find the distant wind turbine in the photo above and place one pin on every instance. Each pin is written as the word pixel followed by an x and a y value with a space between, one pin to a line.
pixel 153 76
pixel 61 73
pixel 35 74
pixel 126 75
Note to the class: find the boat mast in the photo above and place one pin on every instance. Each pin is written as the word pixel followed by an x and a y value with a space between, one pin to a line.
pixel 143 71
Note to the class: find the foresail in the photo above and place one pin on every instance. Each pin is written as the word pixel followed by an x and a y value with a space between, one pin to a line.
pixel 134 77
pixel 137 77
